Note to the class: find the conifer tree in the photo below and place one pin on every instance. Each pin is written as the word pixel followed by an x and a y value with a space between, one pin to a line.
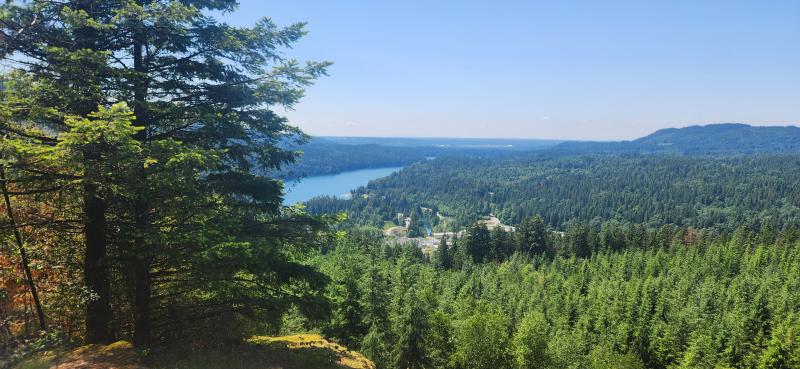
pixel 530 342
pixel 477 242
pixel 411 351
pixel 444 257
pixel 200 214
pixel 532 236
pixel 482 341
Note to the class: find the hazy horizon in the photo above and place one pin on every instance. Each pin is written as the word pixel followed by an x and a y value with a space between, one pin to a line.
pixel 576 70
pixel 544 139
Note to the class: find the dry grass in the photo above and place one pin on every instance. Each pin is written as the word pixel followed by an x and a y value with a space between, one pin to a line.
pixel 302 351
pixel 118 355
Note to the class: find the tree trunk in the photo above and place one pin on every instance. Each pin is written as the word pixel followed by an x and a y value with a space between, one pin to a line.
pixel 95 263
pixel 141 314
pixel 141 256
pixel 95 268
pixel 143 285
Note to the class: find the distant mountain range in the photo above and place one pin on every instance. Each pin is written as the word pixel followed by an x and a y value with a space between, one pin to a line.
pixel 516 144
pixel 331 155
pixel 712 138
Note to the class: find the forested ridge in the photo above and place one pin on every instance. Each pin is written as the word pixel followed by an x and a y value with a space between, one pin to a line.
pixel 332 155
pixel 723 138
pixel 705 191
pixel 322 158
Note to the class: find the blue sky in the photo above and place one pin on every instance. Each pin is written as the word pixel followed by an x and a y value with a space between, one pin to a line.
pixel 542 69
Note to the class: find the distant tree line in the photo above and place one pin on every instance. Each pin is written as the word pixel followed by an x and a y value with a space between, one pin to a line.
pixel 707 191
pixel 722 138
pixel 532 237
pixel 320 156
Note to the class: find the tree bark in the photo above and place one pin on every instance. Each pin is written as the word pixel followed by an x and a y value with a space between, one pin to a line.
pixel 95 264
pixel 141 256
pixel 95 268
pixel 143 285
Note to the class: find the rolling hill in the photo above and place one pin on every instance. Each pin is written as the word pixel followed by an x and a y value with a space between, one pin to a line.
pixel 699 139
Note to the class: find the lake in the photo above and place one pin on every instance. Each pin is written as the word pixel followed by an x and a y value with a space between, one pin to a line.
pixel 332 185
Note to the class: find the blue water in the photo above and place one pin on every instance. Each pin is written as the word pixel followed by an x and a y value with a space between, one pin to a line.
pixel 333 185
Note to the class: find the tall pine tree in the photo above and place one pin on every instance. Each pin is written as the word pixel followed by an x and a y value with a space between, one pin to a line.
pixel 201 215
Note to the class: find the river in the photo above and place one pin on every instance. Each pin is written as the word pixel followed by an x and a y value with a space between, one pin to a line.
pixel 338 185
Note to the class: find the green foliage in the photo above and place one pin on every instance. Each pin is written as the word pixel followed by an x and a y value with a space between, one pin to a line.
pixel 720 192
pixel 532 235
pixel 346 295
pixel 714 302
pixel 477 242
pixel 143 130
pixel 783 349
pixel 412 327
pixel 440 340
pixel 483 341
pixel 604 358
pixel 374 346
pixel 444 254
pixel 530 342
